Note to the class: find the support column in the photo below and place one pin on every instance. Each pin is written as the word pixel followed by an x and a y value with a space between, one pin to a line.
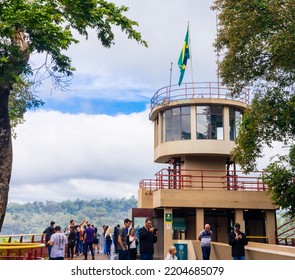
pixel 226 124
pixel 167 230
pixel 193 122
pixel 160 130
pixel 239 218
pixel 199 221
pixel 270 226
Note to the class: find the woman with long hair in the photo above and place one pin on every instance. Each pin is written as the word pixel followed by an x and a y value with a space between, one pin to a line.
pixel 132 243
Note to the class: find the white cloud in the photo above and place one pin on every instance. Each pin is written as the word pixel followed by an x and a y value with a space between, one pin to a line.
pixel 128 66
pixel 269 154
pixel 61 156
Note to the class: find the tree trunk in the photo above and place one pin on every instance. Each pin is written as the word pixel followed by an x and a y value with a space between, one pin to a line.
pixel 5 152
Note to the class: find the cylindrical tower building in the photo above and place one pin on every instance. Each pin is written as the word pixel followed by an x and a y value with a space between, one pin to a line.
pixel 195 126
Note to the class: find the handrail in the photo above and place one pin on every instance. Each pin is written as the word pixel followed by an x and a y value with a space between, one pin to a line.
pixel 168 178
pixel 195 90
pixel 256 237
pixel 287 236
pixel 16 248
pixel 22 235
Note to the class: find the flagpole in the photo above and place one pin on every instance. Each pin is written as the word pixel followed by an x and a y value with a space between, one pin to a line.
pixel 170 81
pixel 191 58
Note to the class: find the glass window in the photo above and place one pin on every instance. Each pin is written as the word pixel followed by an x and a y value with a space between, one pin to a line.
pixel 176 124
pixel 210 122
pixel 235 118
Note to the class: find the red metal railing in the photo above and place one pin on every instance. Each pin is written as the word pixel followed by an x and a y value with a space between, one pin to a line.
pixel 22 247
pixel 168 178
pixel 195 90
pixel 285 234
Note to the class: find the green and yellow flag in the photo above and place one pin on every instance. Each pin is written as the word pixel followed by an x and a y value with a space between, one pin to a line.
pixel 184 56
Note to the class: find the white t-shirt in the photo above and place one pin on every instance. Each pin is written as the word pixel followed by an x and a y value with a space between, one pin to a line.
pixel 133 242
pixel 170 257
pixel 58 247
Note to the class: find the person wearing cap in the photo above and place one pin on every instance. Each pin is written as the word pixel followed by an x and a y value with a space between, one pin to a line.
pixel 237 240
pixel 48 232
pixel 122 240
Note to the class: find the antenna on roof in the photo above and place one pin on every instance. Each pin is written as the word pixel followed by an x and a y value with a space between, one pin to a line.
pixel 217 60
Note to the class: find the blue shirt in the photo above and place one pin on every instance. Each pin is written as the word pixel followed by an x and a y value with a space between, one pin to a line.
pixel 89 232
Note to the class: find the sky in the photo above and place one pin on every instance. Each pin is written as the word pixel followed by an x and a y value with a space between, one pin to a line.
pixel 95 140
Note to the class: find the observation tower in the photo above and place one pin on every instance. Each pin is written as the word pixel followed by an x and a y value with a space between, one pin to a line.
pixel 195 126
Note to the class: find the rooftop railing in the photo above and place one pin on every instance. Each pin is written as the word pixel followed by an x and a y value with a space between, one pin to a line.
pixel 195 90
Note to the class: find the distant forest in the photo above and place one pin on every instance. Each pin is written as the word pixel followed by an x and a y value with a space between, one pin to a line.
pixel 34 217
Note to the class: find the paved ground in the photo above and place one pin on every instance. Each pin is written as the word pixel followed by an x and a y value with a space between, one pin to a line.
pixel 99 256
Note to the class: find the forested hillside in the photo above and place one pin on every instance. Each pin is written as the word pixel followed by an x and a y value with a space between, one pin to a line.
pixel 35 217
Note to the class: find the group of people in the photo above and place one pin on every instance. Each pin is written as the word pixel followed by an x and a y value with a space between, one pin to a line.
pixel 236 239
pixel 127 241
pixel 77 238
pixel 84 240
pixel 83 237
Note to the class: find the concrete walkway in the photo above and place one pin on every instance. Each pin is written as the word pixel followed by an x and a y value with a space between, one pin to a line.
pixel 99 256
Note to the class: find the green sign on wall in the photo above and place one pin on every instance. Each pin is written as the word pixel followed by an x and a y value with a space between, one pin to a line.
pixel 168 218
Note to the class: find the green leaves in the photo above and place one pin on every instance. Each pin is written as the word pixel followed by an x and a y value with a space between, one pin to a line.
pixel 280 178
pixel 45 26
pixel 257 42
pixel 21 99
pixel 34 217
pixel 271 117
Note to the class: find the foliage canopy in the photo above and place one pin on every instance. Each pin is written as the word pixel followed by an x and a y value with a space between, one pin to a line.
pixel 256 40
pixel 34 217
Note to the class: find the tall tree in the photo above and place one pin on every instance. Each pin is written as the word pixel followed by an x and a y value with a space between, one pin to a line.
pixel 45 26
pixel 256 40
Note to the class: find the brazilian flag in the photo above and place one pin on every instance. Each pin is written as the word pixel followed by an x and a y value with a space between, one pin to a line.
pixel 184 56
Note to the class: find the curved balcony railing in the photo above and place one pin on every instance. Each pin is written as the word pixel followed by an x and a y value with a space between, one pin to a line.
pixel 285 234
pixel 195 90
pixel 168 178
pixel 22 247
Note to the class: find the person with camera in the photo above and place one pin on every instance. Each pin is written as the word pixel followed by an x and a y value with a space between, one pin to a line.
pixel 147 237
pixel 237 240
